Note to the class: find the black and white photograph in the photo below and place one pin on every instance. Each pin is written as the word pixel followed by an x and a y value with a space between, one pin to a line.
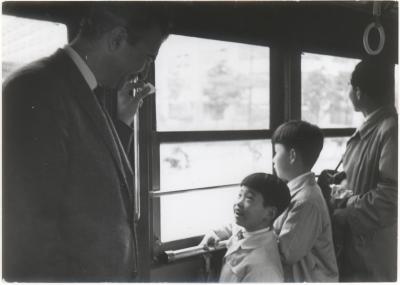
pixel 199 141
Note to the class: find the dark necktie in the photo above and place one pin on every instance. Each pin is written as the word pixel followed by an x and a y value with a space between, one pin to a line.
pixel 101 93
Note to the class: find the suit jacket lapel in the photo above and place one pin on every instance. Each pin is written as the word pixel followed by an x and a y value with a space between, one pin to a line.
pixel 86 98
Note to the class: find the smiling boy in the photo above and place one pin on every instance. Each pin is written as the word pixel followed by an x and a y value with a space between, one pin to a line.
pixel 252 251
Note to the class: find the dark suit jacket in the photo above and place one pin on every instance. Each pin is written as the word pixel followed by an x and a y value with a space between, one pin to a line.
pixel 67 201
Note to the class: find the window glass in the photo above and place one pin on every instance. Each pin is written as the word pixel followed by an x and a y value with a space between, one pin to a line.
pixel 203 164
pixel 396 86
pixel 25 40
pixel 195 213
pixel 331 154
pixel 211 85
pixel 325 86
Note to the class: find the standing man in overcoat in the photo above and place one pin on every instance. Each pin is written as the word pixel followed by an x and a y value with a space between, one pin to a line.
pixel 368 218
pixel 67 191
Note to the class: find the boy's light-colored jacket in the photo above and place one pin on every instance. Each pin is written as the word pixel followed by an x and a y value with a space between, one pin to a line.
pixel 254 258
pixel 305 234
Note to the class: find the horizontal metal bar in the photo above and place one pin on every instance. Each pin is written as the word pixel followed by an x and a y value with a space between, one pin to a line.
pixel 173 255
pixel 182 243
pixel 194 136
pixel 338 132
pixel 156 194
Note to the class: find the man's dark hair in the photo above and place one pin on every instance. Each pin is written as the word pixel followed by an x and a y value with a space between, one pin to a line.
pixel 136 17
pixel 375 78
pixel 273 190
pixel 303 137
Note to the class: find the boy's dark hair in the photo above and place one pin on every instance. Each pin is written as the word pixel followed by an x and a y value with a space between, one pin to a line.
pixel 303 137
pixel 137 18
pixel 273 190
pixel 375 78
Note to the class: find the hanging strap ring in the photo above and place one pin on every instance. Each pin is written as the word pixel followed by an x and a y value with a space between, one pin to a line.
pixel 381 44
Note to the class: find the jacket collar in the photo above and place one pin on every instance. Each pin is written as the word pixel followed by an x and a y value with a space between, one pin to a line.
pixel 297 183
pixel 372 121
pixel 257 239
pixel 80 90
pixel 82 66
pixel 250 240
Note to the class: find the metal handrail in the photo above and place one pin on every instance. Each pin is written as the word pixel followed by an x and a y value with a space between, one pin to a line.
pixel 136 151
pixel 156 194
pixel 173 255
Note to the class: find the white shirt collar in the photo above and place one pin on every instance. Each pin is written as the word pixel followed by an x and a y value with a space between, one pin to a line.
pixel 247 234
pixel 298 180
pixel 82 66
pixel 250 240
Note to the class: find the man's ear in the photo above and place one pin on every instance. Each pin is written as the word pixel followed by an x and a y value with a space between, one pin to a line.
pixel 357 93
pixel 292 155
pixel 117 37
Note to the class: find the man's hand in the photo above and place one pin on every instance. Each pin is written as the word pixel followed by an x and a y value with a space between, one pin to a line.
pixel 129 105
pixel 210 240
pixel 340 195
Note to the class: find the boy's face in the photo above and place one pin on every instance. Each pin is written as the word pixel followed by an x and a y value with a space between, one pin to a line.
pixel 281 162
pixel 250 212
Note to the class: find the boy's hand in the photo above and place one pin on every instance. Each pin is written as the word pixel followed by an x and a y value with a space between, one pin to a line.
pixel 210 240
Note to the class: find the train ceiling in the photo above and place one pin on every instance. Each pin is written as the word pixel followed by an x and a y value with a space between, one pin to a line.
pixel 315 26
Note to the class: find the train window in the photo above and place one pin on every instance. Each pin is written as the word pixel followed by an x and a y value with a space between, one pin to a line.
pixel 195 213
pixel 25 40
pixel 211 85
pixel 195 165
pixel 396 86
pixel 208 92
pixel 325 87
pixel 189 165
pixel 331 153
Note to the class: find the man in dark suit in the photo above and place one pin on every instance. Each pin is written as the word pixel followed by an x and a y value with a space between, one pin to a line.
pixel 67 192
